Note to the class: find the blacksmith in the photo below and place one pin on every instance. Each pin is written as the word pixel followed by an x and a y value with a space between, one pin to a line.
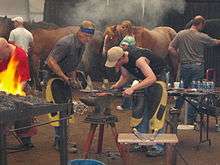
pixel 7 53
pixel 62 63
pixel 142 64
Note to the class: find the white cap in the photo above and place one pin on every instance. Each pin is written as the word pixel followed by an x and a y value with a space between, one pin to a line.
pixel 113 55
pixel 18 19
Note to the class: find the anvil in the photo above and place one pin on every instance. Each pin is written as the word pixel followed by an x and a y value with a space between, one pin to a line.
pixel 101 101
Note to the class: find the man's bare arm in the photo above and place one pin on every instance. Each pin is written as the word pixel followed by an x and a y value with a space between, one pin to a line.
pixel 172 51
pixel 150 77
pixel 52 63
pixel 123 78
pixel 217 42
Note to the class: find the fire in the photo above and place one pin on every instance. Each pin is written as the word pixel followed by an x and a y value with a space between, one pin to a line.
pixel 10 81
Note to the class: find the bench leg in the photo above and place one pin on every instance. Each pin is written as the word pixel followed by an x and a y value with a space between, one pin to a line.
pixel 170 154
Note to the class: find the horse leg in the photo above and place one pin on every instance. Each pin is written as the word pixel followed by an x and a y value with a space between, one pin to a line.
pixel 174 65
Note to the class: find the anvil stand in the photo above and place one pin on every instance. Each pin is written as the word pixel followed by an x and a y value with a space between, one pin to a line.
pixel 100 120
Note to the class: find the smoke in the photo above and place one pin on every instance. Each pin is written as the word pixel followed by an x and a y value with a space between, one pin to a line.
pixel 105 12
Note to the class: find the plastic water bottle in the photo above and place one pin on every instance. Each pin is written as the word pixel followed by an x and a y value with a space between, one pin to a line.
pixel 168 79
pixel 105 84
pixel 181 84
pixel 199 85
pixel 193 84
pixel 212 86
pixel 204 86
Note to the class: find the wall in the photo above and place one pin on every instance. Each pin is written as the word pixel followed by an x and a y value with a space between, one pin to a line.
pixel 28 9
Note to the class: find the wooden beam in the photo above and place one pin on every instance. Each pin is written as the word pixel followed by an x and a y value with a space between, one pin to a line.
pixel 147 138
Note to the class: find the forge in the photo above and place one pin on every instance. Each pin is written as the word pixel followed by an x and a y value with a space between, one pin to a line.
pixel 14 108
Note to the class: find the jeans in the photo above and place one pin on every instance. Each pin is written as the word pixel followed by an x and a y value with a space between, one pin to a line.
pixel 145 107
pixel 153 96
pixel 127 102
pixel 143 127
pixel 189 73
pixel 26 140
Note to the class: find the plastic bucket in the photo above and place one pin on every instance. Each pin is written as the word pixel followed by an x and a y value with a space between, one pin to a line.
pixel 85 162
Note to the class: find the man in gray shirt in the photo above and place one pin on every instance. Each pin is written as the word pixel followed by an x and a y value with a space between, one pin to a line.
pixel 62 62
pixel 189 46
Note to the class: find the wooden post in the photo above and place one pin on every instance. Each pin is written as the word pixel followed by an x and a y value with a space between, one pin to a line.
pixel 170 154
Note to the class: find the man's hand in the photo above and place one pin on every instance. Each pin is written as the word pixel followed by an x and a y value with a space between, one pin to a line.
pixel 128 92
pixel 75 84
pixel 114 86
pixel 66 79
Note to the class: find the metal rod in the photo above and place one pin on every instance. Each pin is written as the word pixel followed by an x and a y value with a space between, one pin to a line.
pixel 40 124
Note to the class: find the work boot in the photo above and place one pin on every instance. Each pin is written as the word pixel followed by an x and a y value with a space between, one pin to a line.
pixel 26 143
pixel 71 147
pixel 217 128
pixel 137 148
pixel 21 147
pixel 24 146
pixel 155 150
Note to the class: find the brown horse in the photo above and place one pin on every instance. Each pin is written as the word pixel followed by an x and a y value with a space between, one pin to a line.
pixel 6 25
pixel 157 40
pixel 45 40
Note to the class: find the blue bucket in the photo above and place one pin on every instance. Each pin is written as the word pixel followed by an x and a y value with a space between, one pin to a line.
pixel 85 162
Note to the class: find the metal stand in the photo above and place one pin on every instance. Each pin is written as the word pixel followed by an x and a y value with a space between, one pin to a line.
pixel 202 126
pixel 206 129
pixel 94 123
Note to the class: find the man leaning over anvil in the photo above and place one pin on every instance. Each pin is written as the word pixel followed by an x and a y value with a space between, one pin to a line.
pixel 61 65
pixel 148 69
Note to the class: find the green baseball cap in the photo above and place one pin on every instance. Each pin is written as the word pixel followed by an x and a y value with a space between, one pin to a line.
pixel 128 40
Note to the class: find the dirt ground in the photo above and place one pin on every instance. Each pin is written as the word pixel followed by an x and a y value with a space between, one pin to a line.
pixel 44 154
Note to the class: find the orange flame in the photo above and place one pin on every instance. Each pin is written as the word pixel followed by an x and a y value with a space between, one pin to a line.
pixel 10 81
